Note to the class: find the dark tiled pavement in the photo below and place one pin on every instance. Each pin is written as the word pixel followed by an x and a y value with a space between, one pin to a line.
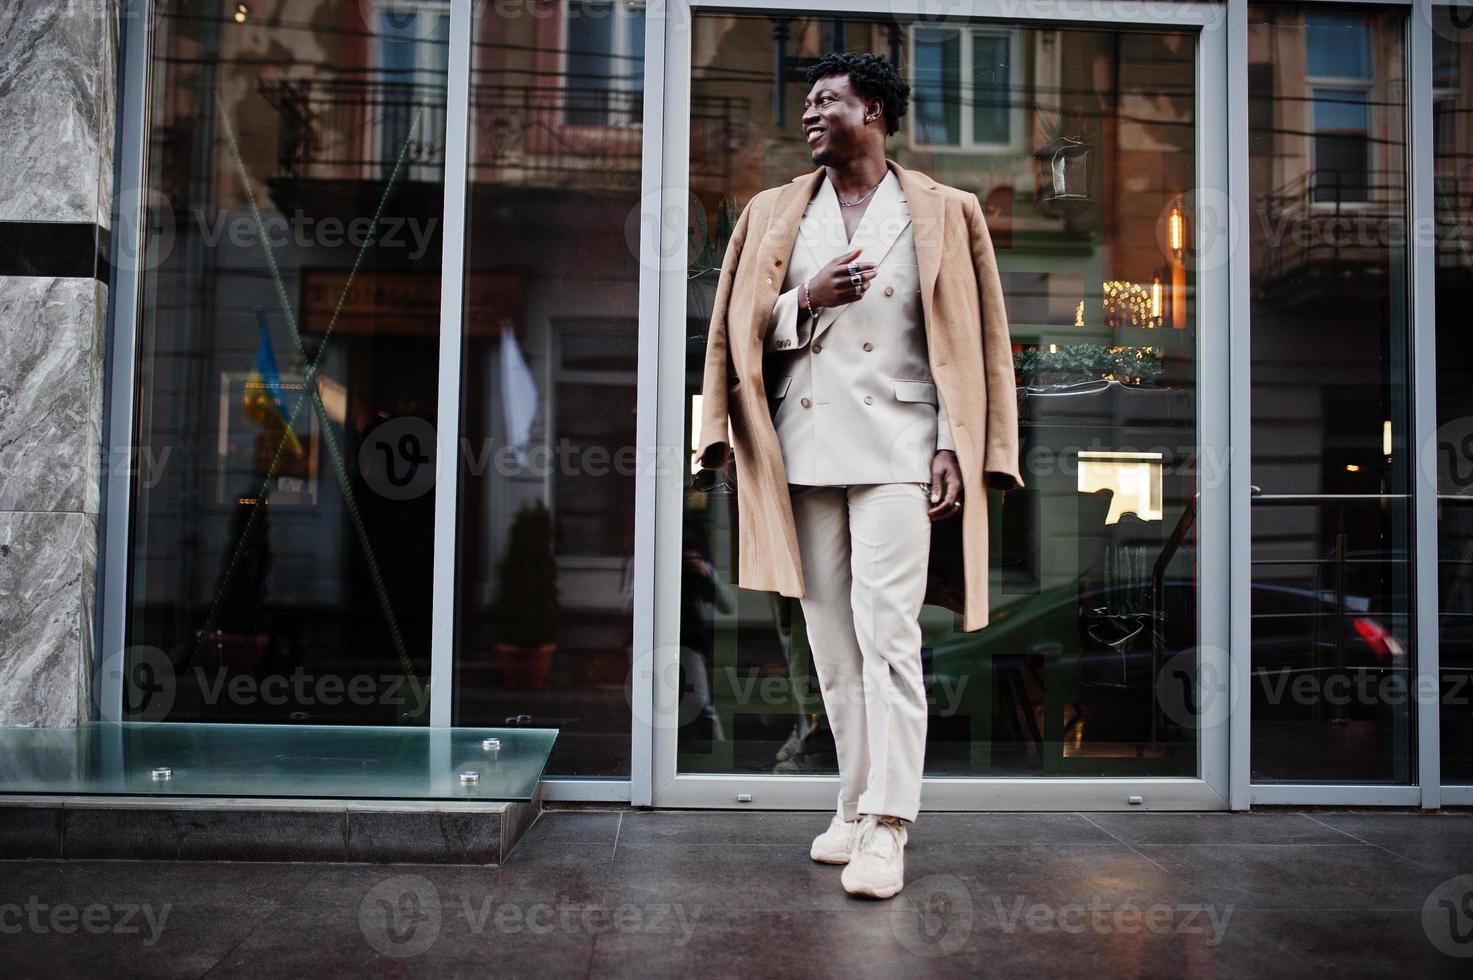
pixel 651 894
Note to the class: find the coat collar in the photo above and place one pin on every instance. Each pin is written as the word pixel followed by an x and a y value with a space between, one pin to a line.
pixel 922 197
pixel 822 227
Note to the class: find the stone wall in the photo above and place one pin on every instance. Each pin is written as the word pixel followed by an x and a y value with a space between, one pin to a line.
pixel 58 66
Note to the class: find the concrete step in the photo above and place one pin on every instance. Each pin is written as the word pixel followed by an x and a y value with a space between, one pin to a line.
pixel 263 829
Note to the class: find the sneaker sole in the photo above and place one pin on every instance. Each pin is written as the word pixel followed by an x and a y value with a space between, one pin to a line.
pixel 829 857
pixel 875 892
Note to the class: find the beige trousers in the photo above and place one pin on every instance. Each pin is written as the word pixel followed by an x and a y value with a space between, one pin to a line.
pixel 864 549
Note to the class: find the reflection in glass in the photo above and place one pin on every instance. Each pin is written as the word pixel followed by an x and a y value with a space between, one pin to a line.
pixel 287 368
pixel 1452 101
pixel 1095 594
pixel 546 522
pixel 1332 650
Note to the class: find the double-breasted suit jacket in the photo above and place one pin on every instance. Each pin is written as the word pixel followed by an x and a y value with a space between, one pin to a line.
pixel 969 355
pixel 851 391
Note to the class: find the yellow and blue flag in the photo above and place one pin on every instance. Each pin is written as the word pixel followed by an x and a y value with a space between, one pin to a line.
pixel 263 400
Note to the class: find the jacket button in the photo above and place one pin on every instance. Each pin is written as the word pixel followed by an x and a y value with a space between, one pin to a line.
pixel 889 290
pixel 868 345
pixel 806 402
pixel 769 280
pixel 817 348
pixel 868 400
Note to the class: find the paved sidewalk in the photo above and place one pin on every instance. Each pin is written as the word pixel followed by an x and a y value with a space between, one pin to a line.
pixel 702 894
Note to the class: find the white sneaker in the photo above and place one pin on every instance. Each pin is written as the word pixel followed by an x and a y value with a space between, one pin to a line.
pixel 833 845
pixel 877 863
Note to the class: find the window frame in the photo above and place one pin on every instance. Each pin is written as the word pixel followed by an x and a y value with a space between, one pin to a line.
pixel 967 143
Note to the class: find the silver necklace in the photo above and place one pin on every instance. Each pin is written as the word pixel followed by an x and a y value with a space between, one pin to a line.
pixel 849 204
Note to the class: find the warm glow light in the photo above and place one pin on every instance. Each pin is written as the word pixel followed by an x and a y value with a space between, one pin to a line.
pixel 1175 225
pixel 1352 468
pixel 1053 348
pixel 1156 298
pixel 1127 304
pixel 1133 478
pixel 240 13
pixel 1386 438
pixel 1079 314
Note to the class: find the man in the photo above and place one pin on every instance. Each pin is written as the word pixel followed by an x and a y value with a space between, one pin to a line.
pixel 860 312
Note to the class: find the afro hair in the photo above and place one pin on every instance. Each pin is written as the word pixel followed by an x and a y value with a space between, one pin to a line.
pixel 873 76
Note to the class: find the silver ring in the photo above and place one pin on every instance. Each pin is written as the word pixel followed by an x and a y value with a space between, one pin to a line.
pixel 853 267
pixel 856 279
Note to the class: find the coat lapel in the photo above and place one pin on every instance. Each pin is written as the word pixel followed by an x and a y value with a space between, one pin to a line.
pixel 928 228
pixel 884 219
pixel 775 247
pixel 927 217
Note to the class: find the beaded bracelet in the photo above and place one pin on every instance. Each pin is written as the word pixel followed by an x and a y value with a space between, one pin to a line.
pixel 809 298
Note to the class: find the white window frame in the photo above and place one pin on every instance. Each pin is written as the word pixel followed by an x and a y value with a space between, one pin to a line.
pixel 622 49
pixel 1017 117
pixel 1350 84
pixel 656 668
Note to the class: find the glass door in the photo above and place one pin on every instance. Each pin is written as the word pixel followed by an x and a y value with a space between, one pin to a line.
pixel 1096 151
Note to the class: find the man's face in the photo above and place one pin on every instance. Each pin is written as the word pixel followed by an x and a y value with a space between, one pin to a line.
pixel 833 120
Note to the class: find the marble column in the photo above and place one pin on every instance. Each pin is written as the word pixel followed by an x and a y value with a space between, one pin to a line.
pixel 58 65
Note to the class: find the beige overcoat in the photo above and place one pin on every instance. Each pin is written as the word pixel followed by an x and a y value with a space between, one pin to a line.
pixel 971 361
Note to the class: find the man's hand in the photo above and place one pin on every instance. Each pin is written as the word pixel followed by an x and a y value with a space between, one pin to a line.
pixel 714 457
pixel 831 285
pixel 946 486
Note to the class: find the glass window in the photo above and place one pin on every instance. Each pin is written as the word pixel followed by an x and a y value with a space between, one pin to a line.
pixel 991 88
pixel 1332 645
pixel 1453 169
pixel 605 61
pixel 546 523
pixel 961 87
pixel 936 86
pixel 287 375
pixel 1095 591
